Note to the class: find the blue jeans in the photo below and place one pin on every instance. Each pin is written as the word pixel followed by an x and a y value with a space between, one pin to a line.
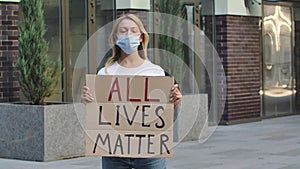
pixel 136 163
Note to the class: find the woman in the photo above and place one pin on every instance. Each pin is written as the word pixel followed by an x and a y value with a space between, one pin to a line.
pixel 130 40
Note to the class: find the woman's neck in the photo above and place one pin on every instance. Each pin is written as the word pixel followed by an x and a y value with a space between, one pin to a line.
pixel 130 60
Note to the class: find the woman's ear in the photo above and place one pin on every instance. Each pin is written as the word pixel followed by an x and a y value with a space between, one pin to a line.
pixel 141 38
pixel 115 38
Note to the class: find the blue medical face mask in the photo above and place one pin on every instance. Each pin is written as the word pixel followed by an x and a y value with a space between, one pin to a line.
pixel 128 44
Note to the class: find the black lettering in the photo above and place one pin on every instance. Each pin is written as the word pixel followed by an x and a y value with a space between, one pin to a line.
pixel 144 114
pixel 130 121
pixel 118 115
pixel 107 139
pixel 140 141
pixel 119 144
pixel 150 143
pixel 159 116
pixel 164 138
pixel 100 118
pixel 129 135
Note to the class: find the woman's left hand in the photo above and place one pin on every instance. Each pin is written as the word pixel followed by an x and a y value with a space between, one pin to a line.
pixel 175 95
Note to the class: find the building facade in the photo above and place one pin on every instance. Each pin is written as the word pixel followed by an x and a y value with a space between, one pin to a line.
pixel 257 42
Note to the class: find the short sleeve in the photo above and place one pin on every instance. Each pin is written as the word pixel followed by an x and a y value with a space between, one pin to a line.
pixel 159 71
pixel 162 72
pixel 101 71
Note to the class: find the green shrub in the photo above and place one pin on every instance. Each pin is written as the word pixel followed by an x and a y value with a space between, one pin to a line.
pixel 38 76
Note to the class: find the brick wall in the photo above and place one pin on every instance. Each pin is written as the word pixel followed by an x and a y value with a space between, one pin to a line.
pixel 297 64
pixel 9 86
pixel 238 45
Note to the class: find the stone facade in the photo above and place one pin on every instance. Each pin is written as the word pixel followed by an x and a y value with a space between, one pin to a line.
pixel 9 86
pixel 238 45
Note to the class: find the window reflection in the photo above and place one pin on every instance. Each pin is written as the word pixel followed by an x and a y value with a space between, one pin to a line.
pixel 278 22
pixel 278 79
pixel 52 14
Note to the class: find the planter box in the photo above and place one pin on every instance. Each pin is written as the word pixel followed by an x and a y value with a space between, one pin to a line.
pixel 42 133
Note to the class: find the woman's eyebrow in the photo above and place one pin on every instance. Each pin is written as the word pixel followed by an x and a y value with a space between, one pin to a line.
pixel 129 27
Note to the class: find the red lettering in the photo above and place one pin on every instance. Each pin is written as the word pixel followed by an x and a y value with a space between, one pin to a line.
pixel 115 88
pixel 128 92
pixel 146 92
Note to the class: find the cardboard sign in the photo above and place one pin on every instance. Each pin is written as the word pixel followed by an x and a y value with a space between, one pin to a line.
pixel 131 116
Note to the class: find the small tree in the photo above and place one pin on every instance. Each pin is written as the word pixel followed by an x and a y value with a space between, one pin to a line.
pixel 38 76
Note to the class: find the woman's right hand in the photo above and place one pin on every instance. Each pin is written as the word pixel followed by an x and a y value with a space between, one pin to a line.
pixel 86 96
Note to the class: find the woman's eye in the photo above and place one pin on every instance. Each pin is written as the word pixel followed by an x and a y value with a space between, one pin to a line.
pixel 123 30
pixel 134 31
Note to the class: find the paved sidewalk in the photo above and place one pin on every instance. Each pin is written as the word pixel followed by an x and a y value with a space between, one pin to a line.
pixel 268 144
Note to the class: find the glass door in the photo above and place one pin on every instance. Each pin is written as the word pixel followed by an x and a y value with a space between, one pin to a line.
pixel 278 80
pixel 52 14
pixel 297 54
pixel 100 16
pixel 81 20
pixel 75 38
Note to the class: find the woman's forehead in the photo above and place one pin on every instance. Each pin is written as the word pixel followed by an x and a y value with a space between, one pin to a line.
pixel 127 23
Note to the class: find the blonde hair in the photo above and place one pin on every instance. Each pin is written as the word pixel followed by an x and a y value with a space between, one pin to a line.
pixel 116 50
